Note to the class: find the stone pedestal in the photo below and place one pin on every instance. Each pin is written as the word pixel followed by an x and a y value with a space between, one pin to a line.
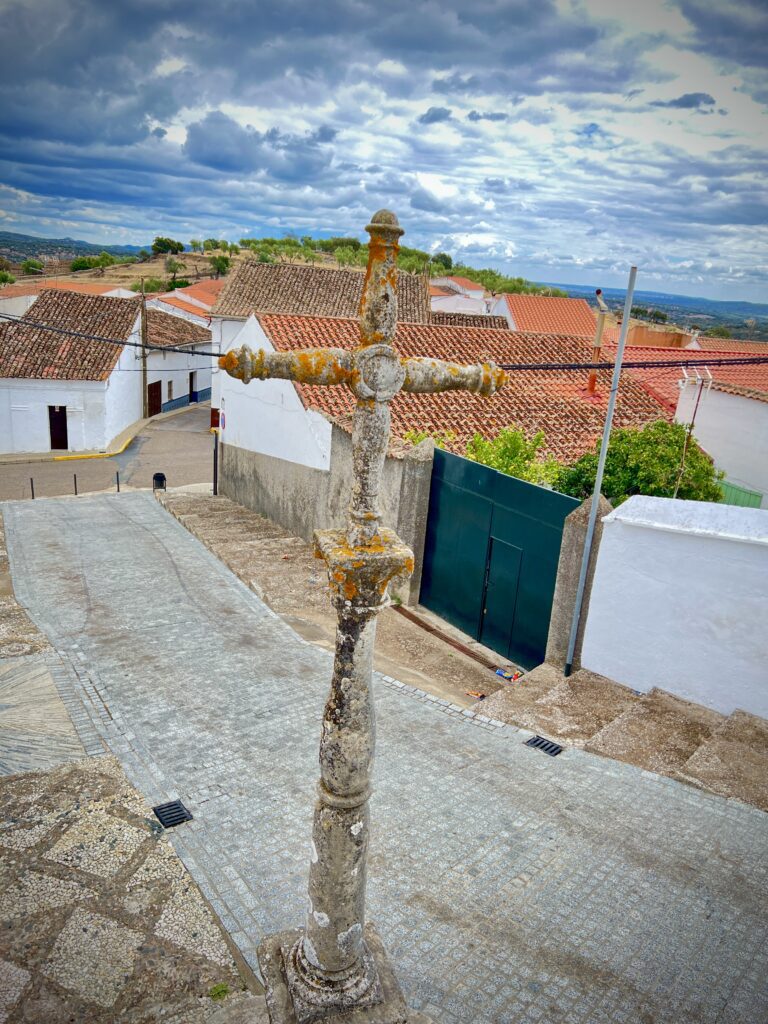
pixel 274 960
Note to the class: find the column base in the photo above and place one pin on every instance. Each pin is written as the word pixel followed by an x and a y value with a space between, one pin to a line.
pixel 391 1009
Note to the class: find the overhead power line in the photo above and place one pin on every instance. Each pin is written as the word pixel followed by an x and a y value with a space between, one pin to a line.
pixel 637 364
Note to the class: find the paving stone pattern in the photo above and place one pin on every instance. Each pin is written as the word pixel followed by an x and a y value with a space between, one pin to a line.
pixel 87 881
pixel 508 886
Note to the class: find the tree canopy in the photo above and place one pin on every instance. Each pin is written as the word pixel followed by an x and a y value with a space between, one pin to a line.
pixel 646 461
pixel 166 245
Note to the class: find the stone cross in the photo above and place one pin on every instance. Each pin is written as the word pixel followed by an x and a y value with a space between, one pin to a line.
pixel 335 969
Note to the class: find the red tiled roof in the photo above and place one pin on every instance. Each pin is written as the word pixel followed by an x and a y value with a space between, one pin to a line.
pixel 206 291
pixel 743 392
pixel 759 348
pixel 436 289
pixel 549 314
pixel 663 381
pixel 11 291
pixel 463 282
pixel 167 329
pixel 534 400
pixel 178 302
pixel 296 290
pixel 30 351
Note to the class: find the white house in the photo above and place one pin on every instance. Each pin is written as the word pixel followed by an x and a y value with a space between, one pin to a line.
pixel 61 392
pixel 176 379
pixel 458 295
pixel 730 421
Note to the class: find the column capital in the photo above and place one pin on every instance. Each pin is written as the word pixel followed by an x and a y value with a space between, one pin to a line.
pixel 359 576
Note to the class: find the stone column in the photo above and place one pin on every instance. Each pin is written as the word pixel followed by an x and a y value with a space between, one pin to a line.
pixel 568 569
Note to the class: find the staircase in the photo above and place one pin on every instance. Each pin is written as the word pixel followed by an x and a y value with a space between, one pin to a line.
pixel 724 754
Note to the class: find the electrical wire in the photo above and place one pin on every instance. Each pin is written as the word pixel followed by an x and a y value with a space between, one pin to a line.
pixel 636 364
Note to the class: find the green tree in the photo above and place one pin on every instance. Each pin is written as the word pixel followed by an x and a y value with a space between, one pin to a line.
pixel 234 248
pixel 4 263
pixel 220 265
pixel 514 453
pixel 210 244
pixel 6 278
pixel 162 245
pixel 105 259
pixel 345 256
pixel 143 256
pixel 442 262
pixel 646 461
pixel 717 332
pixel 173 266
pixel 195 244
pixel 31 266
pixel 151 284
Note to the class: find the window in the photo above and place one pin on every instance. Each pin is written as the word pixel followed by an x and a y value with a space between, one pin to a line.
pixel 170 390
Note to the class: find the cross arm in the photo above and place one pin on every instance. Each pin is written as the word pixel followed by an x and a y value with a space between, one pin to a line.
pixel 306 366
pixel 424 375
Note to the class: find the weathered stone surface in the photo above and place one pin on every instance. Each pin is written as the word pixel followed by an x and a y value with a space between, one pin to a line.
pixel 329 968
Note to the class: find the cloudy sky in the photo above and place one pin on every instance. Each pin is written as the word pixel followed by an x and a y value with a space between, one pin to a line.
pixel 558 139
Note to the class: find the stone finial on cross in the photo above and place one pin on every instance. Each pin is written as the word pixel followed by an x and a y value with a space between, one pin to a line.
pixel 337 963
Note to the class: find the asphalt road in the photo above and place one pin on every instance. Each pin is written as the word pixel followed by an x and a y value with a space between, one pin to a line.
pixel 180 446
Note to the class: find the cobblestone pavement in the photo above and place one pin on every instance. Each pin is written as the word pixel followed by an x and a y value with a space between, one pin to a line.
pixel 508 886
pixel 99 921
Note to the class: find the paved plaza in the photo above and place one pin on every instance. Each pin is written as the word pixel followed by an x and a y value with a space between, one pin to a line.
pixel 508 886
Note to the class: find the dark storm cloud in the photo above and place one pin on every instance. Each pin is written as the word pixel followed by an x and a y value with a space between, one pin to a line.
pixel 689 101
pixel 435 115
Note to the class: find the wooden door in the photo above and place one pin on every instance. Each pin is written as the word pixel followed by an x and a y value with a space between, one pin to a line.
pixel 155 398
pixel 57 423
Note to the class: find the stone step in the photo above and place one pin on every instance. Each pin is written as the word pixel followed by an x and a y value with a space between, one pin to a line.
pixel 733 761
pixel 659 733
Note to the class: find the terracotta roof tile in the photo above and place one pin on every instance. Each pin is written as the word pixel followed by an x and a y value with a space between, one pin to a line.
pixel 551 401
pixel 206 291
pixel 436 289
pixel 293 289
pixel 759 348
pixel 760 395
pixel 167 329
pixel 498 323
pixel 462 282
pixel 549 314
pixel 29 351
pixel 663 382
pixel 178 303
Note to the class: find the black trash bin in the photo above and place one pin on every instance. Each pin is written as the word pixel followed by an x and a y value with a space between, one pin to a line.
pixel 158 482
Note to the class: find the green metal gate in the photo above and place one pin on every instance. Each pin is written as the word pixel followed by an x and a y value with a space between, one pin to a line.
pixel 491 553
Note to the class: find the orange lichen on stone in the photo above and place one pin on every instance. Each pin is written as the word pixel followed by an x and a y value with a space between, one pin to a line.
pixel 228 361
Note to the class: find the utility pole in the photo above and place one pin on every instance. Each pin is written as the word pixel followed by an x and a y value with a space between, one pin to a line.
pixel 144 398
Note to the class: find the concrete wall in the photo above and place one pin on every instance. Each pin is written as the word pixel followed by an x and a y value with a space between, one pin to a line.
pixel 734 430
pixel 566 587
pixel 657 337
pixel 305 498
pixel 679 601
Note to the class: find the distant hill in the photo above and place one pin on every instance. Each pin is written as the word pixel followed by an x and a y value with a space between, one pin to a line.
pixel 17 247
pixel 687 310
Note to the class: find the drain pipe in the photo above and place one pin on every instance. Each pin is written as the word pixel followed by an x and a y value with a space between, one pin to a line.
pixel 599 475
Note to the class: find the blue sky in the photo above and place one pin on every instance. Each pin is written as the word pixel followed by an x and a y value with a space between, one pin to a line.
pixel 557 139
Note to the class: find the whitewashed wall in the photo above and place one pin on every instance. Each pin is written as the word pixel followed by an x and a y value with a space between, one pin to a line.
pixel 97 411
pixel 734 430
pixel 679 601
pixel 458 303
pixel 268 416
pixel 174 368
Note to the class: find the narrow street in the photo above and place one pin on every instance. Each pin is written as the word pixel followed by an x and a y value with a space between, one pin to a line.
pixel 507 885
pixel 181 446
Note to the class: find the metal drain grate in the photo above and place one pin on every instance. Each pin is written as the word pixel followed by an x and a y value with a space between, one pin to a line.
pixel 172 814
pixel 553 749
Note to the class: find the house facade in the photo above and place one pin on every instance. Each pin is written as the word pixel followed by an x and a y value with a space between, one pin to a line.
pixel 62 393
